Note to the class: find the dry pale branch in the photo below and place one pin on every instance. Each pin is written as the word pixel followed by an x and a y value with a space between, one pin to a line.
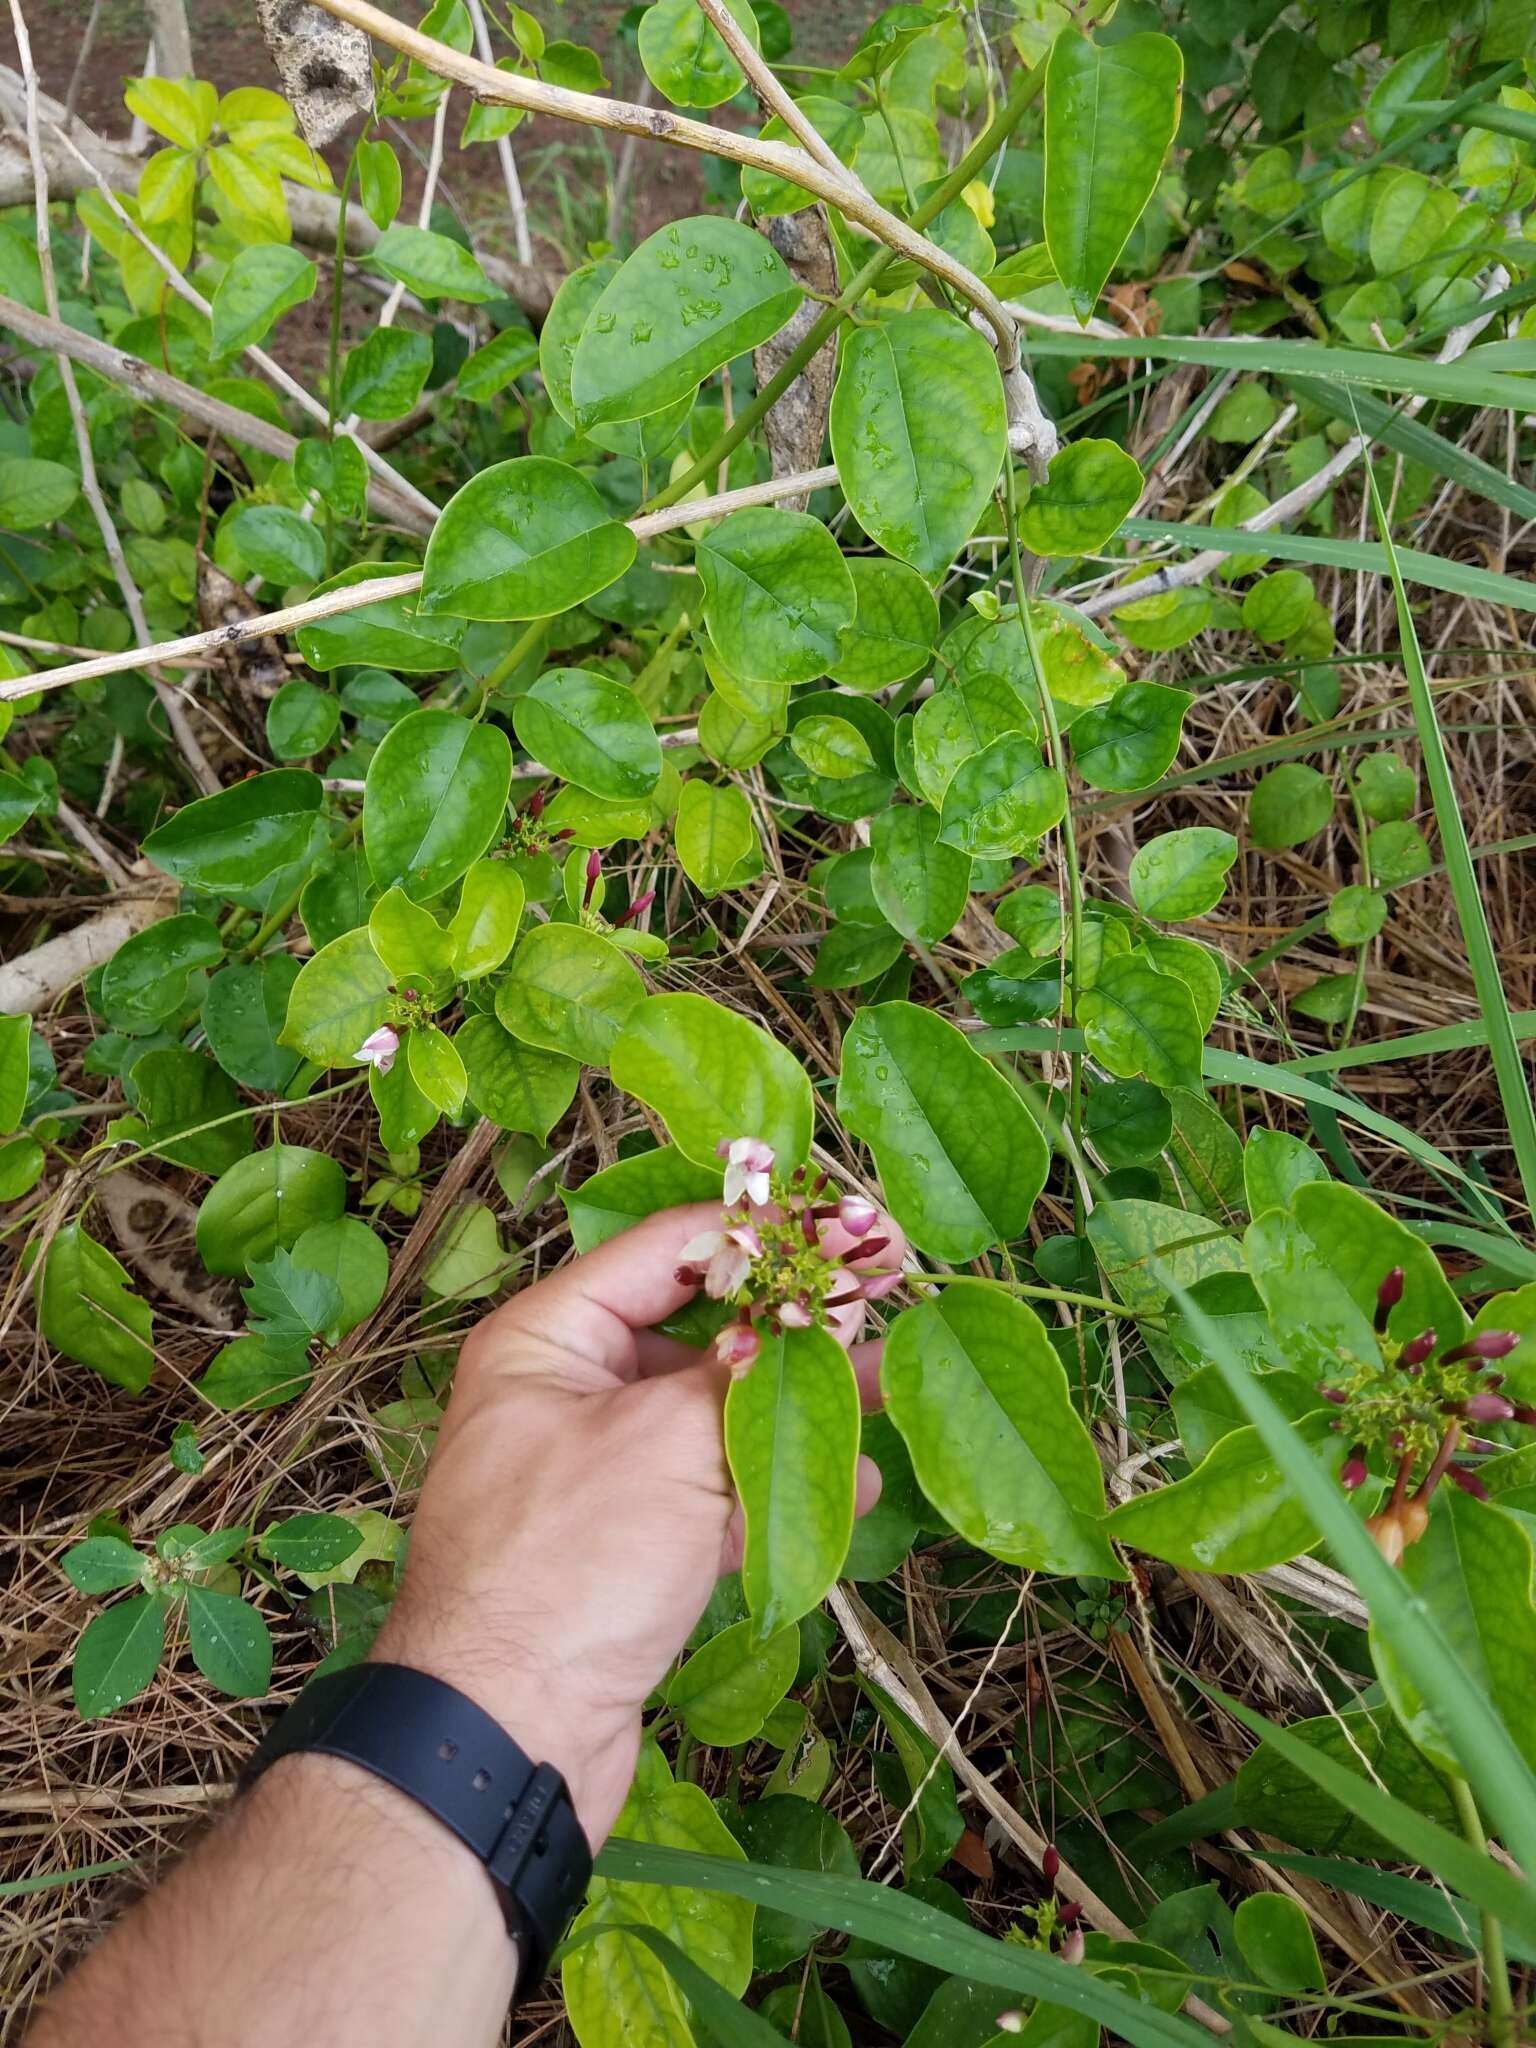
pixel 38 978
pixel 159 387
pixel 522 240
pixel 593 110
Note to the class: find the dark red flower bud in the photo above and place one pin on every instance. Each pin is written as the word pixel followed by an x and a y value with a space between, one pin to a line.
pixel 1467 1481
pixel 1069 1913
pixel 536 804
pixel 1050 1863
pixel 638 908
pixel 1489 1344
pixel 1353 1473
pixel 1417 1350
pixel 1336 1395
pixel 565 832
pixel 1388 1295
pixel 872 1247
pixel 1487 1408
pixel 1526 1417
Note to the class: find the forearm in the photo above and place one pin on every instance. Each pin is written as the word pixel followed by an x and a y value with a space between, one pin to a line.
pixel 326 1906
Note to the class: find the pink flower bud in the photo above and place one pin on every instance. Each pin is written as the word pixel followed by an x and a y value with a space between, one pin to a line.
pixel 1467 1481
pixel 1011 2021
pixel 1489 1344
pixel 873 1247
pixel 1354 1472
pixel 1074 1948
pixel 794 1315
pixel 876 1286
pixel 857 1216
pixel 1415 1352
pixel 737 1346
pixel 638 908
pixel 1487 1408
pixel 1526 1417
pixel 1388 1295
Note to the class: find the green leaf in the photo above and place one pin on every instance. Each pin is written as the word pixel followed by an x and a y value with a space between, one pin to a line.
pixel 272 542
pixel 301 720
pixel 1129 1122
pixel 436 798
pixel 409 940
pixel 730 1685
pixel 831 747
pixel 1132 740
pixel 385 374
pixel 182 110
pixel 288 1303
pixel 1275 1165
pixel 180 1091
pixel 1145 1246
pixel 792 1439
pixel 145 982
pixel 103 1564
pixel 1277 605
pixel 896 622
pixel 1090 488
pixel 977 1391
pixel 692 296
pixel 87 1309
pixel 1276 1940
pixel 229 1642
pixel 1289 805
pixel 919 432
pixel 518 1087
pixel 1181 875
pixel 311 1543
pixel 715 835
pixel 1110 114
pixel 249 1375
pixel 685 59
pixel 431 265
pixel 921 884
pixel 589 730
pixel 390 632
pixel 33 492
pixel 265 1201
pixel 521 540
pixel 960 722
pixel 1236 1512
pixel 118 1655
pixel 259 286
pixel 1000 801
pixel 960 1158
pixel 838 125
pixel 15 1039
pixel 243 1015
pixel 339 1000
pixel 435 1068
pixel 855 796
pixel 1355 916
pixel 347 1252
pixel 777 594
pixel 1138 1021
pixel 378 181
pixel 238 836
pixel 712 1074
pixel 570 991
pixel 1471 1570
pixel 484 927
pixel 491 369
pixel 794 1833
pixel 632 1189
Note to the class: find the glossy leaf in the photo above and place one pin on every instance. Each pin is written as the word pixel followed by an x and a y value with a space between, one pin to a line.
pixel 895 625
pixel 394 633
pixel 519 1087
pixel 730 1684
pixel 632 1189
pixel 777 594
pixel 103 1564
pixel 792 1438
pixel 15 1037
pixel 436 797
pixel 433 266
pixel 87 1309
pixel 837 124
pixel 1140 1022
pixel 521 540
pixel 1090 488
pixel 1182 874
pixel 685 59
pixel 118 1654
pixel 484 927
pixel 589 730
pixel 264 1201
pixel 346 1252
pixel 977 1391
pixel 959 722
pixel 716 836
pixel 711 1074
pixel 918 433
pixel 921 884
pixel 1133 739
pixel 999 802
pixel 191 1109
pixel 1277 1943
pixel 238 836
pixel 960 1158
pixel 384 374
pixel 1110 114
pixel 1289 805
pixel 569 991
pixel 694 294
pixel 257 289
pixel 339 1000
pixel 1236 1512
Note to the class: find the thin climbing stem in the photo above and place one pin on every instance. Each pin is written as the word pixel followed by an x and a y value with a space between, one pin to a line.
pixel 1502 2031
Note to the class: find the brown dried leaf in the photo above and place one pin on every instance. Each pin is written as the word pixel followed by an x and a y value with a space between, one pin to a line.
pixel 325 65
pixel 154 1226
pixel 796 427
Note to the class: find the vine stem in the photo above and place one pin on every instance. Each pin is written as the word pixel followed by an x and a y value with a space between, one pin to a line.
pixel 1502 2031
pixel 1026 90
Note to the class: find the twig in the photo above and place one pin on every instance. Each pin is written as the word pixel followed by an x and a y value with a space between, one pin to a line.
pixel 181 726
pixel 83 58
pixel 111 867
pixel 514 184
pixel 593 110
pixel 161 387
pixel 774 98
pixel 37 978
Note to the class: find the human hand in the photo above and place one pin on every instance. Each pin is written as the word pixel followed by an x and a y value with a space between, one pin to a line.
pixel 578 1507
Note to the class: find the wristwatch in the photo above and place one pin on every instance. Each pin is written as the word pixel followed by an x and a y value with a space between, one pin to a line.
pixel 430 1742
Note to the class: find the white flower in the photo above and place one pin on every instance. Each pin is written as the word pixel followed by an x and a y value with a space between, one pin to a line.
pixel 794 1315
pixel 748 1163
pixel 718 1260
pixel 378 1049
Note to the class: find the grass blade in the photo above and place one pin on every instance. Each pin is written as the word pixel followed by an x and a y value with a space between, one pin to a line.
pixel 1503 1046
pixel 1410 437
pixel 1408 1897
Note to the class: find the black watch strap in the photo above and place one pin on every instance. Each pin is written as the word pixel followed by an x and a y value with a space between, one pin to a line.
pixel 429 1741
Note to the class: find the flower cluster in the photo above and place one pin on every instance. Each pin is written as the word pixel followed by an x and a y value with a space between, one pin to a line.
pixel 770 1256
pixel 528 834
pixel 1058 1928
pixel 1414 1410
pixel 407 1006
